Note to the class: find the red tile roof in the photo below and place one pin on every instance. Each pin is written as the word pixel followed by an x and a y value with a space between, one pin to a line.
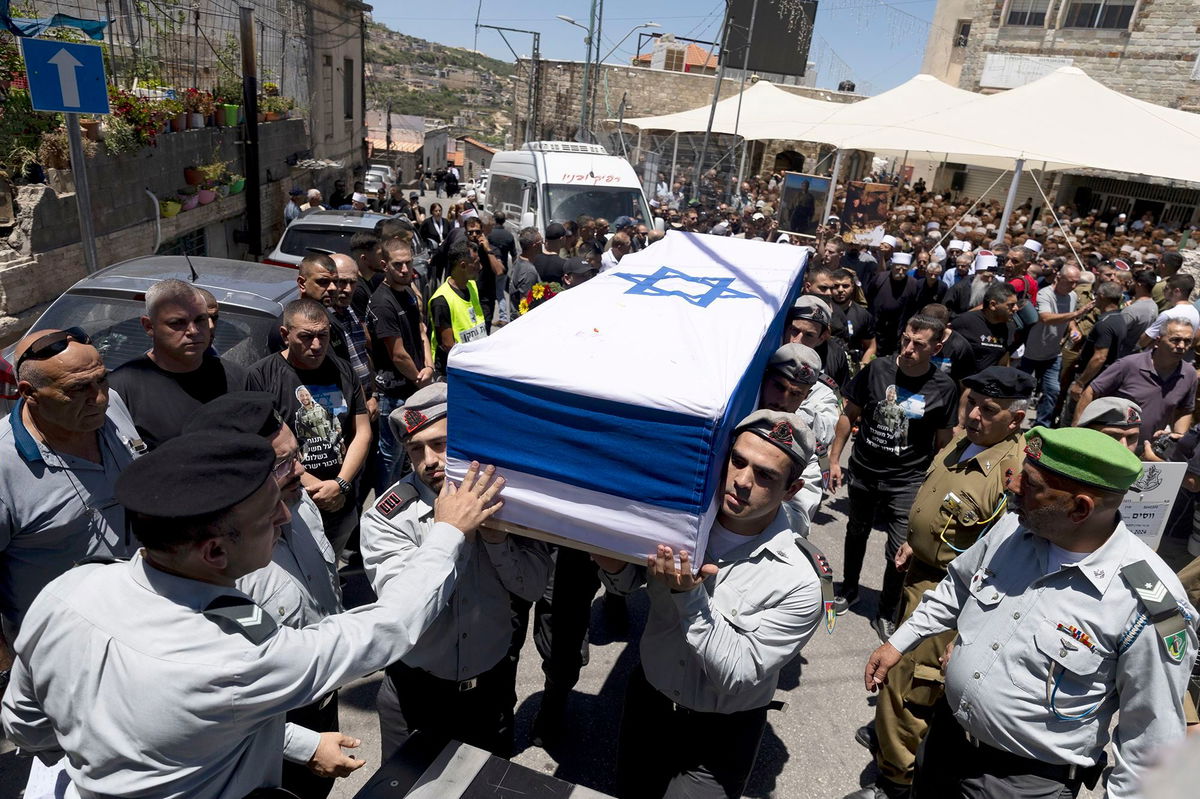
pixel 695 56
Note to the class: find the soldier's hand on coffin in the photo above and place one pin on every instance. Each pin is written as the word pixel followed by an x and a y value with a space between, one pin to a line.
pixel 471 503
pixel 610 565
pixel 661 566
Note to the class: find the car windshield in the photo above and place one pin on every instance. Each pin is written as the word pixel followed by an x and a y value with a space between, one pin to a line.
pixel 300 240
pixel 116 330
pixel 565 202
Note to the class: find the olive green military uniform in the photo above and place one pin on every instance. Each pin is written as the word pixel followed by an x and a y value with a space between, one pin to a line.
pixel 1070 354
pixel 1190 577
pixel 958 500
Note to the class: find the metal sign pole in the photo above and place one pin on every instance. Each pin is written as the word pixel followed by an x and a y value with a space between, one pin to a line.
pixel 83 198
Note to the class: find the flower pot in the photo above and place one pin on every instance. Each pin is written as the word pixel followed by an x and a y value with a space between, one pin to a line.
pixel 195 120
pixel 222 189
pixel 189 201
pixel 179 122
pixel 91 128
pixel 206 196
pixel 262 117
pixel 274 116
pixel 169 208
pixel 237 186
pixel 193 176
pixel 219 116
pixel 230 114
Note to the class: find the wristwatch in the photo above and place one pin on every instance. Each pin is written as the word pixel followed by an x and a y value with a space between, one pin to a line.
pixel 343 486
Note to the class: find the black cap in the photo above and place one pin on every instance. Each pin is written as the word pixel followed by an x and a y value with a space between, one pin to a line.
pixel 412 195
pixel 577 266
pixel 196 475
pixel 250 412
pixel 555 230
pixel 296 192
pixel 1001 382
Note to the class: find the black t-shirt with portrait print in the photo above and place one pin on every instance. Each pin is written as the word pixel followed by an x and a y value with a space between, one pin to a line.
pixel 160 402
pixel 900 419
pixel 318 404
pixel 989 340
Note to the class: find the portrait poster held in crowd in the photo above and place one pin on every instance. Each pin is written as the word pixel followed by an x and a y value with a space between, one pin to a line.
pixel 802 202
pixel 867 204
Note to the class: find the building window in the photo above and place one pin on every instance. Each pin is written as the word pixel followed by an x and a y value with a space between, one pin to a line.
pixel 1106 14
pixel 348 88
pixel 673 60
pixel 964 33
pixel 327 91
pixel 1030 13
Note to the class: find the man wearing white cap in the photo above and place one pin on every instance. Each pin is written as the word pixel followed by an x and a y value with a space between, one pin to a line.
pixel 358 201
pixel 892 297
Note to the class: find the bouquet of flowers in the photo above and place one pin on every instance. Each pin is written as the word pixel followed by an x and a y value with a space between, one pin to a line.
pixel 540 293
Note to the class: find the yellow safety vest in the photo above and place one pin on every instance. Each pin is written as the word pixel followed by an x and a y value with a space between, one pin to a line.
pixel 466 318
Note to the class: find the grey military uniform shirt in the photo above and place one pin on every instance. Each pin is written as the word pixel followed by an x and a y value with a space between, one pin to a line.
pixel 119 667
pixel 720 647
pixel 474 632
pixel 300 585
pixel 1011 657
pixel 55 509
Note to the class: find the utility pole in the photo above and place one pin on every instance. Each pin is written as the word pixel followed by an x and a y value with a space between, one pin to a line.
pixel 745 69
pixel 595 78
pixel 584 131
pixel 388 111
pixel 533 88
pixel 712 111
pixel 83 196
pixel 250 103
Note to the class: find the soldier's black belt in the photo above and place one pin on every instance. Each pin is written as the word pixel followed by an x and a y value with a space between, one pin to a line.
pixel 1001 762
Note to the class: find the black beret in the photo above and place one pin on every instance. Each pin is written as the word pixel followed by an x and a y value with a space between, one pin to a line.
pixel 577 266
pixel 1001 382
pixel 195 475
pixel 250 412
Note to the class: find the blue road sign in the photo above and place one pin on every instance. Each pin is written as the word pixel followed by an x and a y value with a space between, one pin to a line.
pixel 65 77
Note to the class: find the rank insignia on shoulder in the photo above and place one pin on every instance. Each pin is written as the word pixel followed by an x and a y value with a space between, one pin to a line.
pixel 239 615
pixel 395 498
pixel 829 382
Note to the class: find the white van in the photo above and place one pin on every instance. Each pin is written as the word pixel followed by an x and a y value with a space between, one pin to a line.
pixel 556 181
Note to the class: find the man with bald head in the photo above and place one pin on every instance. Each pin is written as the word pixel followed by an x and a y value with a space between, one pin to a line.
pixel 61 449
pixel 353 326
pixel 178 373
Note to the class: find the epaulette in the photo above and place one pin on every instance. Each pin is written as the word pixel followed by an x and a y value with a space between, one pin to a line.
pixel 1160 607
pixel 830 383
pixel 240 615
pixel 396 498
pixel 825 573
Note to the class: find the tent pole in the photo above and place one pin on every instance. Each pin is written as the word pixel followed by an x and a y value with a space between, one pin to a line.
pixel 833 178
pixel 742 163
pixel 637 153
pixel 674 158
pixel 1002 228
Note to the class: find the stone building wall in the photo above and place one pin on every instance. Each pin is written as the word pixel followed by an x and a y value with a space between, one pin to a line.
pixel 647 92
pixel 1154 61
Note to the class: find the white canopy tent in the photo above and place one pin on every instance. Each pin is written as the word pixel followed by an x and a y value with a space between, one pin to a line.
pixel 760 104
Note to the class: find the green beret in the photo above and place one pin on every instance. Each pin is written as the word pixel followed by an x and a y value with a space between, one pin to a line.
pixel 1084 455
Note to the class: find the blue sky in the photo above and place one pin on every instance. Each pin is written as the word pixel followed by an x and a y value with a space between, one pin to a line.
pixel 876 44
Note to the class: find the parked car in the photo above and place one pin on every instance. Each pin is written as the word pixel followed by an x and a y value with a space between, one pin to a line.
pixel 384 171
pixel 329 231
pixel 109 304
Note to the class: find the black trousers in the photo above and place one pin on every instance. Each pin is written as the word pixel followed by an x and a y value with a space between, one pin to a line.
pixel 481 716
pixel 561 619
pixel 296 776
pixel 669 752
pixel 886 504
pixel 950 766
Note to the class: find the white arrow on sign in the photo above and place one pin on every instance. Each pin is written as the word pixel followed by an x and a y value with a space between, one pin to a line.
pixel 67 64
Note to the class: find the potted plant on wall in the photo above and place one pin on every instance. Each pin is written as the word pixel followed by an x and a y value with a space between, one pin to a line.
pixel 91 128
pixel 228 98
pixel 198 105
pixel 172 109
pixel 54 151
pixel 212 173
pixel 237 183
pixel 275 108
pixel 189 197
pixel 169 207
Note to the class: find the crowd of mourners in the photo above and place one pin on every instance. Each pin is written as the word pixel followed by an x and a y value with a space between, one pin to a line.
pixel 171 533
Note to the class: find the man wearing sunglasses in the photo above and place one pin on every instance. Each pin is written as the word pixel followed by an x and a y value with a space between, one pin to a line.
pixel 178 374
pixel 61 450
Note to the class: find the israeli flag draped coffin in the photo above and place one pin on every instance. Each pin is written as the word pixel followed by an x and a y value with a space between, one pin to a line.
pixel 609 409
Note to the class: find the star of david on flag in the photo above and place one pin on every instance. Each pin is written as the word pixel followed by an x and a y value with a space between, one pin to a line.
pixel 716 288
